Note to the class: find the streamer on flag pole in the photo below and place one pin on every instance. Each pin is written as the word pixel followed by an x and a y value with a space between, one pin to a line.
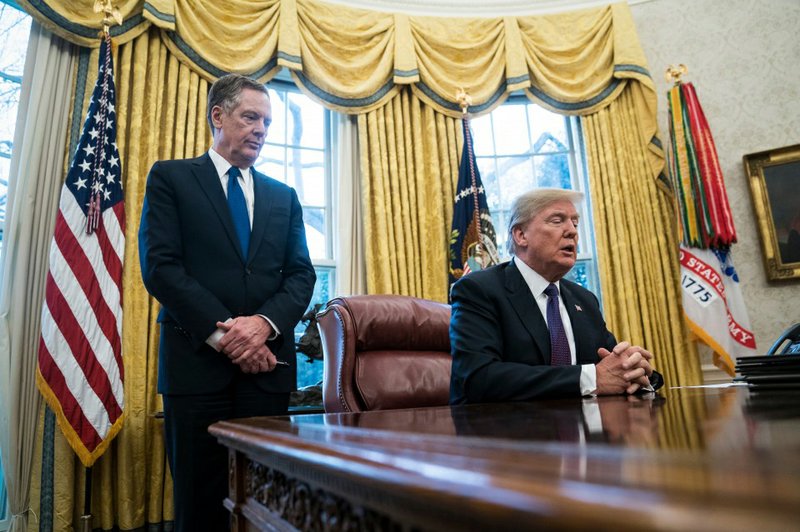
pixel 712 297
pixel 80 371
pixel 473 242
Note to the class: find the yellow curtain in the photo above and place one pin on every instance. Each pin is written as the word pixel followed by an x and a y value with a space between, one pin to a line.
pixel 636 241
pixel 356 60
pixel 161 115
pixel 409 167
pixel 400 74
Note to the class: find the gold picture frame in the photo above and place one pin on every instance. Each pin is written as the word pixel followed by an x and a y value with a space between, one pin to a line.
pixel 774 177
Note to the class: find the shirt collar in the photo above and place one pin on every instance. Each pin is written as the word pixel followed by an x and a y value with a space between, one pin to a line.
pixel 536 283
pixel 222 165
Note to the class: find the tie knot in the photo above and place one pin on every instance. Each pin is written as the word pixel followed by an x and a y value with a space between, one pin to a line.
pixel 234 173
pixel 551 290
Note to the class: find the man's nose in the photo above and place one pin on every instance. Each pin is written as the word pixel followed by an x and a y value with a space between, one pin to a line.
pixel 571 229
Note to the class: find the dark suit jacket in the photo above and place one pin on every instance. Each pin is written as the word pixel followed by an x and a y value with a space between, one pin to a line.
pixel 501 345
pixel 192 264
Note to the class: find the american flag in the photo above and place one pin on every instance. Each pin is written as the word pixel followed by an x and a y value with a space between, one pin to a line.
pixel 80 370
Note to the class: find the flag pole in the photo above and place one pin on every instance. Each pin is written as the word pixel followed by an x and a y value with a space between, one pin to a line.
pixel 473 243
pixel 465 100
pixel 111 15
pixel 86 518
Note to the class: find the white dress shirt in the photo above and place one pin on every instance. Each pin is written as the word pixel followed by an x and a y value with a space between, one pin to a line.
pixel 246 182
pixel 537 284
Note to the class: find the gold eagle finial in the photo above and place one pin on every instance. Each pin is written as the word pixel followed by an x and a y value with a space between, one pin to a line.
pixel 110 14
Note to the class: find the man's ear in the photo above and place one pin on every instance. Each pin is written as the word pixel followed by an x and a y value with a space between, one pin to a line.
pixel 520 240
pixel 216 116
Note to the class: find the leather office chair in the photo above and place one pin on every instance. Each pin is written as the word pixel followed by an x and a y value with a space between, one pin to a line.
pixel 383 352
pixel 788 343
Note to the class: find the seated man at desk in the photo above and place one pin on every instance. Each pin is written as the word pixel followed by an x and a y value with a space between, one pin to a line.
pixel 519 331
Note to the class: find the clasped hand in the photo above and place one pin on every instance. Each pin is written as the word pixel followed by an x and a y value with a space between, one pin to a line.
pixel 625 369
pixel 244 342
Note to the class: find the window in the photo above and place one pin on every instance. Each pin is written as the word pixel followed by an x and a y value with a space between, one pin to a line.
pixel 520 146
pixel 298 152
pixel 15 26
pixel 3 499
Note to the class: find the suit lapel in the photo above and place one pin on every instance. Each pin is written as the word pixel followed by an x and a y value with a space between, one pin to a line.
pixel 526 308
pixel 579 321
pixel 261 211
pixel 206 175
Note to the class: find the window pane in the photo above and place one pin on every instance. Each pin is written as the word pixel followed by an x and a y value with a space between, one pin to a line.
pixel 306 170
pixel 306 122
pixel 15 26
pixel 515 176
pixel 488 171
pixel 314 219
pixel 482 141
pixel 277 130
pixel 272 162
pixel 553 171
pixel 3 497
pixel 309 366
pixel 297 153
pixel 531 149
pixel 548 130
pixel 510 133
pixel 579 274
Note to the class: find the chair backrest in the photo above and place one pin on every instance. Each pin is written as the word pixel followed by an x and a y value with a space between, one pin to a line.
pixel 788 343
pixel 384 351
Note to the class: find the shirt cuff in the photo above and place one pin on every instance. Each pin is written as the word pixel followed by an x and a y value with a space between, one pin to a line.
pixel 275 330
pixel 588 379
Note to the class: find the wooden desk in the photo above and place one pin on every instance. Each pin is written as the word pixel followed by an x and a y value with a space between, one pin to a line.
pixel 689 459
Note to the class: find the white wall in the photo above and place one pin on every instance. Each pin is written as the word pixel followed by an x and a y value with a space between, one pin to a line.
pixel 743 58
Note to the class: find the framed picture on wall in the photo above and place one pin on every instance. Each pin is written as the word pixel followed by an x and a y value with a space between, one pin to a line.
pixel 774 177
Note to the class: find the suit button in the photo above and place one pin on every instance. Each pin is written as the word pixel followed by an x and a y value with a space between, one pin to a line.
pixel 247 271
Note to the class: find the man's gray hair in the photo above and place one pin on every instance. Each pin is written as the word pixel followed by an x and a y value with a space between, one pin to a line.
pixel 531 203
pixel 226 93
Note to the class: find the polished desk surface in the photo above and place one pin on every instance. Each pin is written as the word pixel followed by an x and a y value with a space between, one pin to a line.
pixel 689 458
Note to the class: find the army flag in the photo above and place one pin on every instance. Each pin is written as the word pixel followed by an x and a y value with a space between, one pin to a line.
pixel 712 296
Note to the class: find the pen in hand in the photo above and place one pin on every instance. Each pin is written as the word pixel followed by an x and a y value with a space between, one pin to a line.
pixel 282 363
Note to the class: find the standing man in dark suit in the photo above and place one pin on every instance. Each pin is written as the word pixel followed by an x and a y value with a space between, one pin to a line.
pixel 518 331
pixel 223 249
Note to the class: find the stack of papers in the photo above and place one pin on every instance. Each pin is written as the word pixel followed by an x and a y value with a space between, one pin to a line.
pixel 779 372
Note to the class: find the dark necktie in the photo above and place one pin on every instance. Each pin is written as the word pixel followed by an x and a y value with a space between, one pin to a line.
pixel 559 346
pixel 238 208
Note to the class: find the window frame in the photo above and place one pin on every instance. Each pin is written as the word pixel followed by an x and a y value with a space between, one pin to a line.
pixel 579 178
pixel 328 265
pixel 281 83
pixel 5 510
pixel 11 78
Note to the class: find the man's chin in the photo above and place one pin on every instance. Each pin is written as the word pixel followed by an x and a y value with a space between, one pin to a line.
pixel 248 158
pixel 567 265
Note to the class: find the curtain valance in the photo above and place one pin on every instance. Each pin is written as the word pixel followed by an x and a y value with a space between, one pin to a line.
pixel 355 60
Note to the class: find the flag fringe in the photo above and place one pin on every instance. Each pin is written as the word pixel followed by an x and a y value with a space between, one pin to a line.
pixel 87 457
pixel 722 359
